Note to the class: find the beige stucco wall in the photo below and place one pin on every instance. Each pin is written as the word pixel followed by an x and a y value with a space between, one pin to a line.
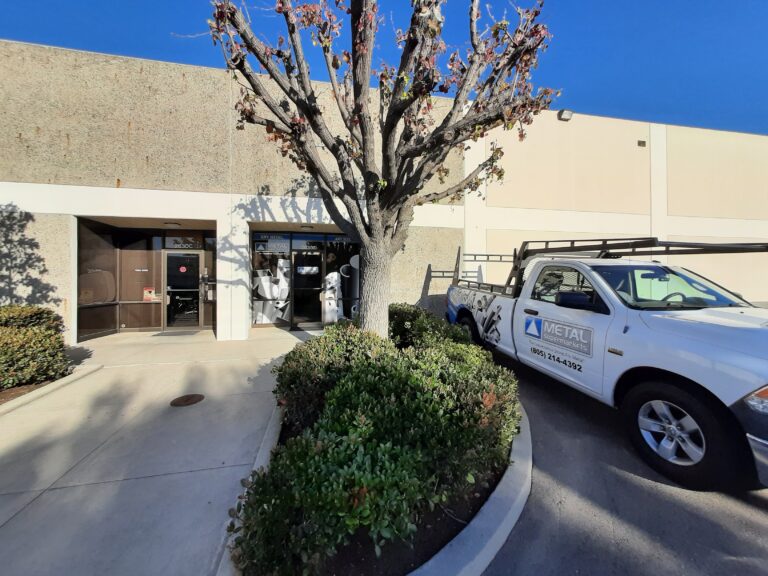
pixel 717 174
pixel 48 282
pixel 82 118
pixel 73 117
pixel 425 249
pixel 588 164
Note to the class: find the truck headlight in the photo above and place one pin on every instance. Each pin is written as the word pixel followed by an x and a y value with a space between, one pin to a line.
pixel 758 401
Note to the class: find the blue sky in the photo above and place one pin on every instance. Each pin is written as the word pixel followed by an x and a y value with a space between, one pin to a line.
pixel 691 62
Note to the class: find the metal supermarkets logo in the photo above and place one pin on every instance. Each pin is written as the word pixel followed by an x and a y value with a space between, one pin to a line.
pixel 576 338
pixel 533 327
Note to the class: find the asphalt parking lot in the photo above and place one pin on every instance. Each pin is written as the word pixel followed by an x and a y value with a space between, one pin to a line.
pixel 595 508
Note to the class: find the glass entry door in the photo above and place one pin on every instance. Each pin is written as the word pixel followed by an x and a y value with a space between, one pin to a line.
pixel 307 287
pixel 182 290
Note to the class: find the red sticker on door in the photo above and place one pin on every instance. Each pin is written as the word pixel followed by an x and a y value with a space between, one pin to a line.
pixel 182 269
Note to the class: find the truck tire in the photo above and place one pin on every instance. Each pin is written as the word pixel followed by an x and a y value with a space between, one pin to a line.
pixel 468 323
pixel 687 437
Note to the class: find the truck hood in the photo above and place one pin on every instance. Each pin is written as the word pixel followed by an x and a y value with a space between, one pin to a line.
pixel 744 330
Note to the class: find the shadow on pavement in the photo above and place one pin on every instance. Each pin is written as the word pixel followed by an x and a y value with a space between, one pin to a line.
pixel 114 480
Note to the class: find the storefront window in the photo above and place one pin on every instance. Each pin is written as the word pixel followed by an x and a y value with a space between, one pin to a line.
pixel 342 279
pixel 96 281
pixel 304 279
pixel 141 291
pixel 271 278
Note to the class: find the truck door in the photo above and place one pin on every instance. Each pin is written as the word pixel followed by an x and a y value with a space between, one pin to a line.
pixel 560 326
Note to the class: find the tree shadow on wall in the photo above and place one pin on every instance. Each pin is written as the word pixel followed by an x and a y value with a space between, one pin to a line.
pixel 22 268
pixel 300 203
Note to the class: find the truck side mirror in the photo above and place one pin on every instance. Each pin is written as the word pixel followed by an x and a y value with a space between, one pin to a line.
pixel 575 300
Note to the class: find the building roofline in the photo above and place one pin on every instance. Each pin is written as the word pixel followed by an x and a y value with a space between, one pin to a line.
pixel 223 69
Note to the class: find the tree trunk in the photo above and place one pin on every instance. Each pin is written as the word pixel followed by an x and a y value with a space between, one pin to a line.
pixel 376 275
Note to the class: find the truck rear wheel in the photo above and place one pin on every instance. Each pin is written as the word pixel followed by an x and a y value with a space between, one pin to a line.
pixel 470 326
pixel 686 437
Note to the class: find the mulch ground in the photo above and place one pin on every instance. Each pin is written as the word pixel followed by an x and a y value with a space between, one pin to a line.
pixel 435 530
pixel 11 393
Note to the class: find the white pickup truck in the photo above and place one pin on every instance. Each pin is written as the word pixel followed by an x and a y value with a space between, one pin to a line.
pixel 683 359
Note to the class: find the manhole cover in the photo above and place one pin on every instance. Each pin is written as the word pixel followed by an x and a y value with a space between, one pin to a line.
pixel 187 400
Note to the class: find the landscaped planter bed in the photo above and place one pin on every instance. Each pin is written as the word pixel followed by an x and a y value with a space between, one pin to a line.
pixel 435 529
pixel 386 451
pixel 31 350
pixel 12 393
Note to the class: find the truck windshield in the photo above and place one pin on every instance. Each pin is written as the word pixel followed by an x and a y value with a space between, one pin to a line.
pixel 657 287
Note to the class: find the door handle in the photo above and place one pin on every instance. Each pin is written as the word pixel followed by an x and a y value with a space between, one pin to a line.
pixel 531 311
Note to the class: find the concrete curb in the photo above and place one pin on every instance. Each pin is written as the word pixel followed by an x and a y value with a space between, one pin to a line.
pixel 268 442
pixel 79 373
pixel 473 549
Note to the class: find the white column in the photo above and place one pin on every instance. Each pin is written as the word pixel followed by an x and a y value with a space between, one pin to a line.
pixel 233 278
pixel 73 293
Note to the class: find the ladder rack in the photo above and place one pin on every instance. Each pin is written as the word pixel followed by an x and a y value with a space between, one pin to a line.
pixel 591 248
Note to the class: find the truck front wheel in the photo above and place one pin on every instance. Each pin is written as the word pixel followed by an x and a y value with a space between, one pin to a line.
pixel 684 436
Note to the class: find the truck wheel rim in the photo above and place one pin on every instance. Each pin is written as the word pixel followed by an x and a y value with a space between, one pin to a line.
pixel 671 432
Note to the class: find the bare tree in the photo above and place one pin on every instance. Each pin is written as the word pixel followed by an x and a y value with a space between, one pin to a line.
pixel 379 166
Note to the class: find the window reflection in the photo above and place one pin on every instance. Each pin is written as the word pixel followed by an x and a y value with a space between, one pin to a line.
pixel 322 285
pixel 342 279
pixel 271 279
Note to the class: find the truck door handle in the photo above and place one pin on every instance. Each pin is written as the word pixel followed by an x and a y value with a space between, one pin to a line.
pixel 531 311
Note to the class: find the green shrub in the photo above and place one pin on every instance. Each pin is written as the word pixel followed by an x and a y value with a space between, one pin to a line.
pixel 448 401
pixel 312 368
pixel 31 356
pixel 413 326
pixel 398 433
pixel 29 317
pixel 319 491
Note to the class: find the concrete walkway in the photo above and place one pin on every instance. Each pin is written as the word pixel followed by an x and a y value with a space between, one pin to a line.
pixel 104 477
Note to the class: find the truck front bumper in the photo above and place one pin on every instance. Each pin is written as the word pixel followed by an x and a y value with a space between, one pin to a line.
pixel 760 452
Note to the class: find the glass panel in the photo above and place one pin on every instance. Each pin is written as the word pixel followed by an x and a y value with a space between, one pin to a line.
pixel 140 269
pixel 185 240
pixel 661 287
pixel 97 266
pixel 271 243
pixel 555 279
pixel 308 241
pixel 306 307
pixel 271 278
pixel 183 289
pixel 96 321
pixel 96 280
pixel 183 272
pixel 271 311
pixel 183 309
pixel 341 288
pixel 308 287
pixel 307 270
pixel 141 315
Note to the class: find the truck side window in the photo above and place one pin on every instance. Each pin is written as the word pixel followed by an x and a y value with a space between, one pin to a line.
pixel 555 279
